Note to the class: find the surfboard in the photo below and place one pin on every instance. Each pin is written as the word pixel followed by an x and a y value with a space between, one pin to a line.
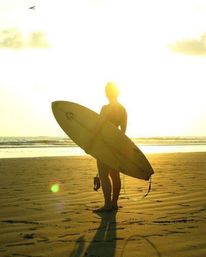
pixel 111 146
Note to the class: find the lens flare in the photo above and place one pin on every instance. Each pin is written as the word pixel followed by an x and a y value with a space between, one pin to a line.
pixel 55 188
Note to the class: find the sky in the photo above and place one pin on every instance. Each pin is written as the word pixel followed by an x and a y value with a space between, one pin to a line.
pixel 154 50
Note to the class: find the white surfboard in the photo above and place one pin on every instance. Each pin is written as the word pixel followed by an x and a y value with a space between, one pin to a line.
pixel 111 146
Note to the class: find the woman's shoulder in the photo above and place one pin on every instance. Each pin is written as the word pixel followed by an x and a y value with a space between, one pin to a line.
pixel 112 107
pixel 121 107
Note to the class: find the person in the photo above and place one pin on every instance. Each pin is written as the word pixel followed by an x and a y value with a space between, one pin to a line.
pixel 115 113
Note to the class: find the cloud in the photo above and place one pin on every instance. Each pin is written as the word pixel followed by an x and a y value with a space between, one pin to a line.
pixel 37 40
pixel 13 38
pixel 191 46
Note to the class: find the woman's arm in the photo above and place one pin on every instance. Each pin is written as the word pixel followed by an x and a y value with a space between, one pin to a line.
pixel 123 124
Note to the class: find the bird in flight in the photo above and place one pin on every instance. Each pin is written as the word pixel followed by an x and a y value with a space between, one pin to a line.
pixel 32 7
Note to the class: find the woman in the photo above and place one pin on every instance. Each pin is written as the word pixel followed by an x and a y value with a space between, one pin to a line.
pixel 115 113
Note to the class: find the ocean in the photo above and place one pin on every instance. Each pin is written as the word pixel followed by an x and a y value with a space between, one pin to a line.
pixel 16 147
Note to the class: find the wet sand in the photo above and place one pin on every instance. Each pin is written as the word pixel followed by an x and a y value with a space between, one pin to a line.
pixel 34 221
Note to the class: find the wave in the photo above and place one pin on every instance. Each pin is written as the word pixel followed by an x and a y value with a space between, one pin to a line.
pixel 167 141
pixel 33 142
pixel 23 142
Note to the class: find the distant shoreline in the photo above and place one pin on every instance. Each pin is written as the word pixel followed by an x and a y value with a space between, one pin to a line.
pixel 13 147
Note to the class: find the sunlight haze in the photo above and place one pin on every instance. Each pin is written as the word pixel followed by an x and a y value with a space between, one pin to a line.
pixel 155 51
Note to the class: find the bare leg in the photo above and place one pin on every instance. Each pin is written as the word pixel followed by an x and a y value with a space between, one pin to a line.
pixel 116 182
pixel 106 186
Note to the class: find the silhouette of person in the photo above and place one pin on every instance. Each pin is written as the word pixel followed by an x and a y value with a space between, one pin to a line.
pixel 104 241
pixel 115 113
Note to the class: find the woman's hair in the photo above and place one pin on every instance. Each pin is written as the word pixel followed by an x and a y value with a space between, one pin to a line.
pixel 111 90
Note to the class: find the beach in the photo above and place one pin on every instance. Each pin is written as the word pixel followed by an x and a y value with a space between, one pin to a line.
pixel 47 204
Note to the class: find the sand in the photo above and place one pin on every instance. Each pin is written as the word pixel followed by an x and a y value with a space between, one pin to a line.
pixel 170 221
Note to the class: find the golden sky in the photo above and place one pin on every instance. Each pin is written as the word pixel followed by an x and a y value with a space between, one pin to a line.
pixel 155 51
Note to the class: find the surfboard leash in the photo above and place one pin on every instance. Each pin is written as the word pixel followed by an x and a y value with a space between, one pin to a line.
pixel 144 196
pixel 149 188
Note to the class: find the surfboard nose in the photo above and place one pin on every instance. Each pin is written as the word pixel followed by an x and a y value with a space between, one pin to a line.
pixel 54 104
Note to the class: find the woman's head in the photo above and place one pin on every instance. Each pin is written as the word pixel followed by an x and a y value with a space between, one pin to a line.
pixel 111 91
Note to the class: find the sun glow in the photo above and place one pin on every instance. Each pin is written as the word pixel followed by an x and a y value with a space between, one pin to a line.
pixel 94 42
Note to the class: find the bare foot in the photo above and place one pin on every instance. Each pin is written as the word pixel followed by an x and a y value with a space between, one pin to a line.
pixel 104 209
pixel 115 207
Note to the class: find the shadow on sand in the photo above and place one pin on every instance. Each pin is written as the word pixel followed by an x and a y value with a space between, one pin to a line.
pixel 104 241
